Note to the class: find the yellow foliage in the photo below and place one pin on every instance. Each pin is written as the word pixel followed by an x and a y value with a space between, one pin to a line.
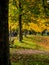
pixel 48 28
pixel 25 26
pixel 13 25
pixel 37 28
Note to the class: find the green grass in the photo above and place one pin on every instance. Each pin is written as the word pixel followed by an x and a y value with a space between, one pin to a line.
pixel 33 59
pixel 29 63
pixel 28 43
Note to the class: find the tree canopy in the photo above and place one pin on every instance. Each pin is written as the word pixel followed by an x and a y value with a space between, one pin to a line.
pixel 34 13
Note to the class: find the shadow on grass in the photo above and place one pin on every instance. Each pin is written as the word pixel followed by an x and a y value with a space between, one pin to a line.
pixel 32 38
pixel 32 45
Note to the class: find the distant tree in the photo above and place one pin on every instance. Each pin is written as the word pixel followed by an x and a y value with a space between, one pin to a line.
pixel 43 32
pixel 4 34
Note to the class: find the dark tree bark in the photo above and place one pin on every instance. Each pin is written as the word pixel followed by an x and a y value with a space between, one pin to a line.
pixel 4 34
pixel 10 35
pixel 20 23
pixel 45 6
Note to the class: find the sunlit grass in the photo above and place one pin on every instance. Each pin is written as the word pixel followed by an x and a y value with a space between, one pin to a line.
pixel 31 42
pixel 25 44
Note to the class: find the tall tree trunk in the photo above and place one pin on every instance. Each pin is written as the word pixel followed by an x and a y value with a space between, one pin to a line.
pixel 10 35
pixel 44 6
pixel 25 33
pixel 4 34
pixel 20 23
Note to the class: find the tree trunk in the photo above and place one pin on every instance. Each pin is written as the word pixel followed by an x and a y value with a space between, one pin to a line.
pixel 10 35
pixel 4 33
pixel 25 33
pixel 20 23
pixel 44 6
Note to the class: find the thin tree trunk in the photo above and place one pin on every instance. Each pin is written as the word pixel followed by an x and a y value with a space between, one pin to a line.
pixel 20 23
pixel 10 36
pixel 44 6
pixel 4 34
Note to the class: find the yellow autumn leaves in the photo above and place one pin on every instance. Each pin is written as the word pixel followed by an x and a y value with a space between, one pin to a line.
pixel 30 26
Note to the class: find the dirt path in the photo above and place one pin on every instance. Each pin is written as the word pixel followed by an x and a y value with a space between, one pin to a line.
pixel 28 51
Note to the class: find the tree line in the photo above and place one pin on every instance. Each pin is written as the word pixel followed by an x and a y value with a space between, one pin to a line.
pixel 32 14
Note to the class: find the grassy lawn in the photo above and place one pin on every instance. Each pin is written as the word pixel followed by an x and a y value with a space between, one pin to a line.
pixel 40 59
pixel 34 59
pixel 31 60
pixel 33 42
pixel 31 63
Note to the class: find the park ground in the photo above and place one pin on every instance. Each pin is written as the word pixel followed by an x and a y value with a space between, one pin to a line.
pixel 33 50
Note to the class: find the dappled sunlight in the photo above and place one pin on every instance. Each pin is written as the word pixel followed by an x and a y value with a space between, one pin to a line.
pixel 29 32
pixel 33 42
